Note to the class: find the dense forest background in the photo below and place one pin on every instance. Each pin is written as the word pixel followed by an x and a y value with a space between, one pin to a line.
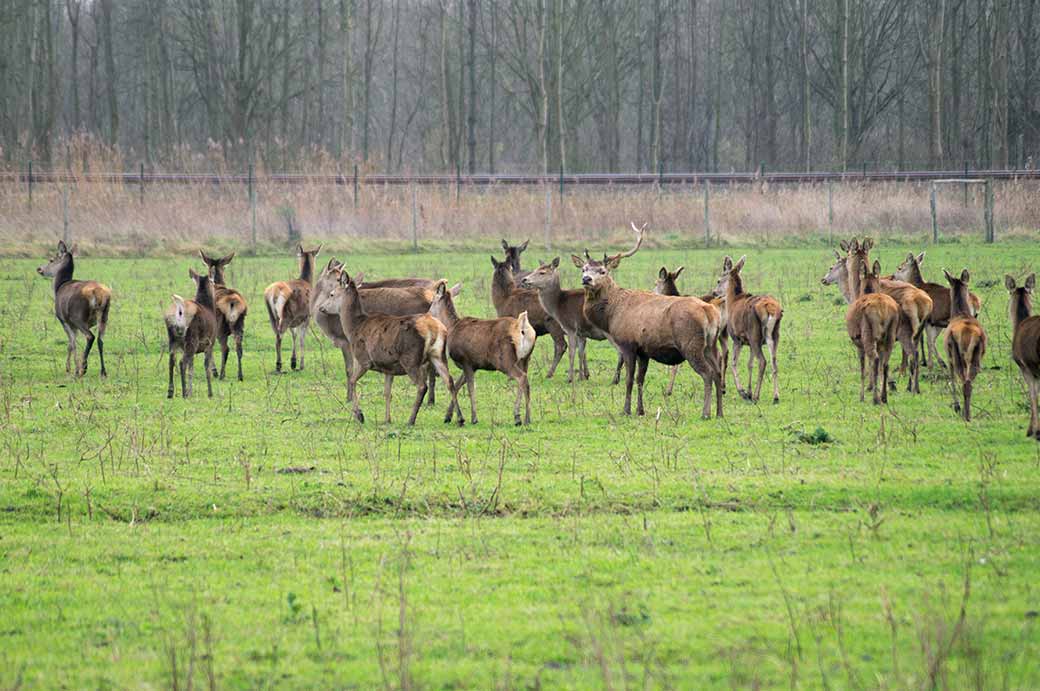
pixel 523 85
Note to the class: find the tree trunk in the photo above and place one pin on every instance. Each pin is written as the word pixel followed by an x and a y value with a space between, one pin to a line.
pixel 493 54
pixel 393 90
pixel 346 133
pixel 73 9
pixel 471 119
pixel 805 157
pixel 843 110
pixel 110 73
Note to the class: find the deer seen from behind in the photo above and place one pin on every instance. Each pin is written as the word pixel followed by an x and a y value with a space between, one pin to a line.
pixel 513 253
pixel 392 345
pixel 751 320
pixel 79 306
pixel 1025 343
pixel 231 309
pixel 510 301
pixel 288 306
pixel 191 328
pixel 871 322
pixel 666 285
pixel 645 326
pixel 965 342
pixel 503 345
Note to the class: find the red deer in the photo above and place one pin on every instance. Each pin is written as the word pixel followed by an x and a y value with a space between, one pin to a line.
pixel 288 306
pixel 751 320
pixel 191 327
pixel 510 301
pixel 965 341
pixel 231 310
pixel 910 272
pixel 394 346
pixel 1025 344
pixel 915 308
pixel 79 306
pixel 645 326
pixel 513 253
pixel 872 320
pixel 666 285
pixel 566 307
pixel 503 345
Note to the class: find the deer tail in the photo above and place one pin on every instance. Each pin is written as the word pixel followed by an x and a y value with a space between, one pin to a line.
pixel 233 309
pixel 275 301
pixel 971 344
pixel 526 336
pixel 770 328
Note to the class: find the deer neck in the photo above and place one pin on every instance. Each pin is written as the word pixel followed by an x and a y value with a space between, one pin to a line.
pixel 960 306
pixel 306 269
pixel 218 274
pixel 854 266
pixel 351 314
pixel 501 285
pixel 844 285
pixel 915 275
pixel 449 316
pixel 549 295
pixel 734 288
pixel 1020 309
pixel 203 296
pixel 63 275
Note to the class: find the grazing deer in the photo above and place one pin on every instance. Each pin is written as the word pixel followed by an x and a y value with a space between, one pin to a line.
pixel 666 285
pixel 231 310
pixel 394 346
pixel 79 306
pixel 510 301
pixel 915 308
pixel 191 327
pixel 910 272
pixel 872 320
pixel 288 306
pixel 513 253
pixel 965 341
pixel 566 307
pixel 751 320
pixel 503 345
pixel 645 326
pixel 1025 344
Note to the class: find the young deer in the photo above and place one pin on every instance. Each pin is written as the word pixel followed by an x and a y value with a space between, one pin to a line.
pixel 915 308
pixel 965 341
pixel 1025 345
pixel 872 320
pixel 910 272
pixel 231 310
pixel 191 327
pixel 751 320
pixel 566 307
pixel 513 253
pixel 510 301
pixel 394 346
pixel 645 326
pixel 666 285
pixel 502 345
pixel 79 306
pixel 288 306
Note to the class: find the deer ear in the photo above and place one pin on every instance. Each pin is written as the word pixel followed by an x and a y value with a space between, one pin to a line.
pixel 555 263
pixel 204 257
pixel 227 259
pixel 299 249
pixel 62 247
pixel 522 247
pixel 577 261
pixel 494 262
pixel 442 287
pixel 946 273
pixel 837 255
pixel 1030 282
pixel 740 264
pixel 678 271
pixel 920 258
pixel 455 289
pixel 317 250
pixel 359 279
pixel 663 274
pixel 876 269
pixel 844 246
pixel 867 243
pixel 727 263
pixel 193 275
pixel 505 245
pixel 612 262
pixel 1009 282
pixel 965 276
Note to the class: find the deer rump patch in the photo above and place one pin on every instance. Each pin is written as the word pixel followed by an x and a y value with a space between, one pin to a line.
pixel 523 336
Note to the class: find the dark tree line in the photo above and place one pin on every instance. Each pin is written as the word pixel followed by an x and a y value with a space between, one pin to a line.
pixel 525 85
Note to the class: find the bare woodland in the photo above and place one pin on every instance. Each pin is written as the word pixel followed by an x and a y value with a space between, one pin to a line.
pixel 523 85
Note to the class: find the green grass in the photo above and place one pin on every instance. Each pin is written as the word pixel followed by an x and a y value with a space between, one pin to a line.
pixel 819 542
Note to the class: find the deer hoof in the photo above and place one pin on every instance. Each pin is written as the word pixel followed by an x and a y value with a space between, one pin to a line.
pixel 359 416
pixel 292 363
pixel 169 394
pixel 776 400
pixel 517 422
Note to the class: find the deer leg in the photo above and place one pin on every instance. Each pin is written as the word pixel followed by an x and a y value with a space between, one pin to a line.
pixel 671 380
pixel 191 374
pixel 169 389
pixel 352 380
pixel 760 356
pixel 737 346
pixel 1034 423
pixel 184 375
pixel 86 351
pixel 862 371
pixel 388 384
pixel 583 362
pixel 885 360
pixel 951 353
pixel 420 394
pixel 278 350
pixel 875 371
pixel 559 346
pixel 630 371
pixel 775 371
pixel 70 352
pixel 440 367
pixel 932 335
pixel 572 339
pixel 471 391
pixel 303 339
pixel 102 325
pixel 239 332
pixel 968 383
pixel 224 351
pixel 292 361
pixel 642 363
pixel 431 385
pixel 723 364
pixel 617 370
pixel 208 364
pixel 702 366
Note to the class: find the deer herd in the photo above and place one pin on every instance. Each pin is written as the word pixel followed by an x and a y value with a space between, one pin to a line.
pixel 411 327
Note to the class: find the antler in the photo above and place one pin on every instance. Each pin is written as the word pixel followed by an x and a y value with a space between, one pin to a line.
pixel 639 241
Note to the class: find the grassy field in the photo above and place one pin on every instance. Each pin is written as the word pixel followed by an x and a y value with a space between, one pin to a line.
pixel 265 539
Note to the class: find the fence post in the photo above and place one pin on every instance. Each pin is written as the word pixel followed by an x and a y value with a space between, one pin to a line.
pixel 548 217
pixel 707 214
pixel 65 212
pixel 252 204
pixel 30 182
pixel 140 180
pixel 355 186
pixel 990 234
pixel 561 183
pixel 935 218
pixel 415 221
pixel 458 183
pixel 965 183
pixel 830 212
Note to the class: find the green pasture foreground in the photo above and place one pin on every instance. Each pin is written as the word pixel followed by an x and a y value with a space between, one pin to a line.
pixel 264 539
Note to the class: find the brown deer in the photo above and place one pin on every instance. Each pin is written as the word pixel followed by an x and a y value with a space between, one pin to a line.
pixel 513 253
pixel 910 272
pixel 566 307
pixel 394 346
pixel 872 320
pixel 1025 344
pixel 965 341
pixel 510 301
pixel 666 285
pixel 231 309
pixel 288 306
pixel 503 345
pixel 645 326
pixel 79 306
pixel 751 320
pixel 191 327
pixel 915 308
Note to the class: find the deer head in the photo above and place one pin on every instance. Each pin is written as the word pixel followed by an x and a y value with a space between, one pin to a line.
pixel 58 262
pixel 594 273
pixel 730 271
pixel 666 281
pixel 216 265
pixel 835 272
pixel 545 275
pixel 910 268
pixel 513 253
